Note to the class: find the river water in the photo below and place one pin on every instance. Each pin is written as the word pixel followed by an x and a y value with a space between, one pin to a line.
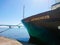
pixel 20 34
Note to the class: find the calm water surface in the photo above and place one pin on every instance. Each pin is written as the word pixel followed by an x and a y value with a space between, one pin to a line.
pixel 15 33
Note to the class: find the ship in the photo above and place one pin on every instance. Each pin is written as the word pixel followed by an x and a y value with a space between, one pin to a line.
pixel 44 28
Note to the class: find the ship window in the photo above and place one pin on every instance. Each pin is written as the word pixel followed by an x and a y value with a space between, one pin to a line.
pixel 59 27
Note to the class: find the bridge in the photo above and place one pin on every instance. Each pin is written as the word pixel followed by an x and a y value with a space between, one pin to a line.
pixel 10 26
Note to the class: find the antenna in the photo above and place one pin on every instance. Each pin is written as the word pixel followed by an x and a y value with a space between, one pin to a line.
pixel 23 11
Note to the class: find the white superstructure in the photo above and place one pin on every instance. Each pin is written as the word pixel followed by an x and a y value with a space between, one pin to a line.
pixel 56 5
pixel 57 1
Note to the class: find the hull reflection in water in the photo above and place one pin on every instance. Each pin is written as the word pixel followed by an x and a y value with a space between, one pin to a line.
pixel 43 27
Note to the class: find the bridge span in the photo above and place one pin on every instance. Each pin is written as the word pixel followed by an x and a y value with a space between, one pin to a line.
pixel 10 26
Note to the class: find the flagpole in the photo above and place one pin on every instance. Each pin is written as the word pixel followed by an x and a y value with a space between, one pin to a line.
pixel 23 11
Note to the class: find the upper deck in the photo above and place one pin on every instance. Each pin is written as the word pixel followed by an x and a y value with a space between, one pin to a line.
pixel 49 19
pixel 53 14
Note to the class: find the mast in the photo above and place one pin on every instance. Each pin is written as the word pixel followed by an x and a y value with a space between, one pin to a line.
pixel 23 11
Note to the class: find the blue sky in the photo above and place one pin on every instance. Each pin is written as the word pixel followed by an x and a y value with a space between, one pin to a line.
pixel 11 11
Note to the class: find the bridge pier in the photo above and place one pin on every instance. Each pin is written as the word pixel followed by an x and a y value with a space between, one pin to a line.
pixel 18 26
pixel 10 27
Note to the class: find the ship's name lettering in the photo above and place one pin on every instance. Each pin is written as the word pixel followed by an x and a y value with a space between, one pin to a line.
pixel 41 18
